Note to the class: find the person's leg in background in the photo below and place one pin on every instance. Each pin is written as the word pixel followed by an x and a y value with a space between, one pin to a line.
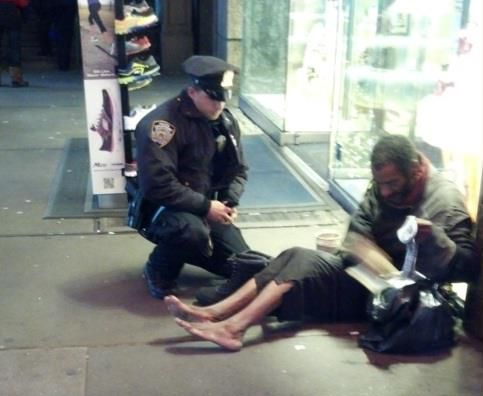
pixel 1 52
pixel 64 21
pixel 14 57
pixel 11 20
pixel 44 24
pixel 95 19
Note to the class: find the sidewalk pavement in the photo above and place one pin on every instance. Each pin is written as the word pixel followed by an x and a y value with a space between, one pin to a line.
pixel 75 317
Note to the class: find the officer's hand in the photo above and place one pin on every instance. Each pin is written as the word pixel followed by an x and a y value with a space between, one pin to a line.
pixel 220 213
pixel 234 214
pixel 234 211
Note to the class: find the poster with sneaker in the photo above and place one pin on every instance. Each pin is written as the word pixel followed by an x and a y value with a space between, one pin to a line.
pixel 106 146
pixel 102 96
pixel 96 20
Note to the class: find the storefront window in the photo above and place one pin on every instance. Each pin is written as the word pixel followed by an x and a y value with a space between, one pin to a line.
pixel 327 78
pixel 289 62
pixel 265 53
pixel 399 57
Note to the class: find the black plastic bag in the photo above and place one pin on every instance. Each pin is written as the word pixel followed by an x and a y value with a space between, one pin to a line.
pixel 411 319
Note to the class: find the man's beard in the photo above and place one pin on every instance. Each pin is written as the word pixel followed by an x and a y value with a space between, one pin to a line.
pixel 399 199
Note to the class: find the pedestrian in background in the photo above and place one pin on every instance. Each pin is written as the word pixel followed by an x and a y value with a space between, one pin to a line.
pixel 44 26
pixel 64 14
pixel 11 19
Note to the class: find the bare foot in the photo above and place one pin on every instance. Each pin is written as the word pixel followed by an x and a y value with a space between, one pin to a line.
pixel 186 312
pixel 217 333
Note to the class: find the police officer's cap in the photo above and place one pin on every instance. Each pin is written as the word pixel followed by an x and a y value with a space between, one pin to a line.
pixel 213 75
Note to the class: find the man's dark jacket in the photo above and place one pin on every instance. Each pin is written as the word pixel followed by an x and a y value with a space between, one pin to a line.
pixel 449 254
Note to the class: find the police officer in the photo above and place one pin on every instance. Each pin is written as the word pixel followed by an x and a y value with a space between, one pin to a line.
pixel 191 175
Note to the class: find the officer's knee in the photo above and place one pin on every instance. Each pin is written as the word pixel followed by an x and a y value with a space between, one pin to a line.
pixel 196 238
pixel 182 231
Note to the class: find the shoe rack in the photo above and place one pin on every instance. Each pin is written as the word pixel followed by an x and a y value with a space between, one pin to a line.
pixel 123 64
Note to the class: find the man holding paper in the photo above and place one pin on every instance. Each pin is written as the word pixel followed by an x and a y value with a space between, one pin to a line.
pixel 302 283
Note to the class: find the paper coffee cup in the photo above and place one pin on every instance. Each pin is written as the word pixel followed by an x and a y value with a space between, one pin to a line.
pixel 328 241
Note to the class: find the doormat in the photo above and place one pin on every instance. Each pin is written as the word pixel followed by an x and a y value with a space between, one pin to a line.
pixel 274 192
pixel 68 191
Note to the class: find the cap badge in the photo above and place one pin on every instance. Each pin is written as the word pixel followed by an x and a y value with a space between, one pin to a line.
pixel 227 81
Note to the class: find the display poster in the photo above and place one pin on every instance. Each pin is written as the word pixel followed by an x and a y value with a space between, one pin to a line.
pixel 102 96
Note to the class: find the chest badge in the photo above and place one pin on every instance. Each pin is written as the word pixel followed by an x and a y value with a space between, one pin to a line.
pixel 162 132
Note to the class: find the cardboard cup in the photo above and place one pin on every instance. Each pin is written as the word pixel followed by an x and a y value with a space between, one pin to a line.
pixel 328 241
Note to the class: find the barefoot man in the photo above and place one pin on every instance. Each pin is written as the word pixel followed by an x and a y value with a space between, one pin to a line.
pixel 302 283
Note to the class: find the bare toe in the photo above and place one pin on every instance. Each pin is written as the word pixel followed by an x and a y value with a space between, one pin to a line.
pixel 173 304
pixel 186 312
pixel 184 324
pixel 212 332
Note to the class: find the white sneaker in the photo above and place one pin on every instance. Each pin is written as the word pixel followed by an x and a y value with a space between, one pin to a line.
pixel 139 7
pixel 135 115
pixel 133 21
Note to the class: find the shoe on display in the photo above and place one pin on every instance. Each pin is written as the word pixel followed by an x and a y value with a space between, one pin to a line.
pixel 157 286
pixel 137 45
pixel 131 169
pixel 138 84
pixel 138 66
pixel 112 49
pixel 134 78
pixel 137 6
pixel 135 116
pixel 142 40
pixel 104 123
pixel 133 21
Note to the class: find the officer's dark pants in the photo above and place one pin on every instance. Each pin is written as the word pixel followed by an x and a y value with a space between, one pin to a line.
pixel 182 237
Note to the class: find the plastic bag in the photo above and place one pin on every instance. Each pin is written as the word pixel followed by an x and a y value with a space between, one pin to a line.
pixel 415 318
pixel 411 315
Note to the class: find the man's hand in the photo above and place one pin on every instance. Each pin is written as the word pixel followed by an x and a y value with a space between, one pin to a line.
pixel 424 229
pixel 221 213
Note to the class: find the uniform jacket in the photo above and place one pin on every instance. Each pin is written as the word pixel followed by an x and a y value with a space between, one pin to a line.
pixel 180 174
pixel 449 255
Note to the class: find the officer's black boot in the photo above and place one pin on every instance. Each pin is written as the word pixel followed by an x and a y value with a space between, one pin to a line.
pixel 162 269
pixel 158 285
pixel 244 266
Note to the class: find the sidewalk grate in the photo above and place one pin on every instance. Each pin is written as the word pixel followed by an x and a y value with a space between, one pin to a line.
pixel 287 217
